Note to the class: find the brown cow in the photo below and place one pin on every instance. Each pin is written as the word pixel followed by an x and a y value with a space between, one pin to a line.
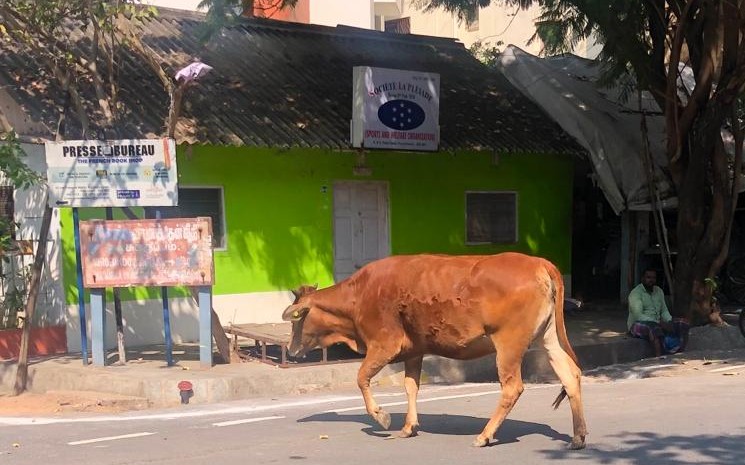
pixel 463 307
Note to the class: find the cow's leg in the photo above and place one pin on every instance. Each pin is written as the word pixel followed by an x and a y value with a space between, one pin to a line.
pixel 374 361
pixel 413 367
pixel 569 374
pixel 510 353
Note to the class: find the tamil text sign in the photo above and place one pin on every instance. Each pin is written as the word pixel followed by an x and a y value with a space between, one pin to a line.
pixel 121 173
pixel 168 252
pixel 395 109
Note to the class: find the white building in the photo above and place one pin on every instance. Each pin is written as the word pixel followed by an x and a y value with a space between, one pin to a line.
pixel 495 26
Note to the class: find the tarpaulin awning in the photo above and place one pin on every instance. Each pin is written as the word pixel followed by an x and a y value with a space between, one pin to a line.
pixel 600 120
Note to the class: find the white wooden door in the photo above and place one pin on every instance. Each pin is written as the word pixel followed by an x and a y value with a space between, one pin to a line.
pixel 360 225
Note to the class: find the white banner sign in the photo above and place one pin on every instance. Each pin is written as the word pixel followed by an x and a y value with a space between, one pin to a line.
pixel 395 109
pixel 121 173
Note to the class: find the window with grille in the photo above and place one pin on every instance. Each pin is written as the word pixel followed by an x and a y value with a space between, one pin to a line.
pixel 491 217
pixel 472 18
pixel 398 26
pixel 194 202
pixel 7 210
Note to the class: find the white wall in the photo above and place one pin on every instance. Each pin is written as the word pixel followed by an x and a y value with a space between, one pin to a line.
pixel 29 208
pixel 496 23
pixel 143 320
pixel 510 25
pixel 357 13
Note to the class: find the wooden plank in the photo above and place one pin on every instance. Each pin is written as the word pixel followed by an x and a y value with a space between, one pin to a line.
pixel 275 333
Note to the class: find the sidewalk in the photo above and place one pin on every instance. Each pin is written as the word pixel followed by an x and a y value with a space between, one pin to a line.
pixel 597 335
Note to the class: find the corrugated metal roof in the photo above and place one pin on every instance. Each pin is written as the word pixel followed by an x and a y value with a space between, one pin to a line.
pixel 278 84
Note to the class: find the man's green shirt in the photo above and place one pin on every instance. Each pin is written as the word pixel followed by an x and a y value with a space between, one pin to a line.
pixel 646 306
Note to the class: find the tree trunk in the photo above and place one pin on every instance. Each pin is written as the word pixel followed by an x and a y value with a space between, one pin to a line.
pixel 705 197
pixel 33 294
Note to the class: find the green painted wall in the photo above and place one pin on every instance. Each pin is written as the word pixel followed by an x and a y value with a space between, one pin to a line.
pixel 279 212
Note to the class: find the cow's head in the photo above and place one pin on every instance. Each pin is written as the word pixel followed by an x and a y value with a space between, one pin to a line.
pixel 304 337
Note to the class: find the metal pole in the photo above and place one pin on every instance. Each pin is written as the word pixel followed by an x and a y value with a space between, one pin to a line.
pixel 81 289
pixel 166 316
pixel 118 310
pixel 167 326
pixel 205 326
pixel 98 326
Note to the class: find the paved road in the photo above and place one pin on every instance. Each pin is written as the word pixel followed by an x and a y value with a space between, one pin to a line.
pixel 692 413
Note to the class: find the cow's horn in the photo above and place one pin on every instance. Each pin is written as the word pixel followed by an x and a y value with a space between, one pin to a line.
pixel 294 313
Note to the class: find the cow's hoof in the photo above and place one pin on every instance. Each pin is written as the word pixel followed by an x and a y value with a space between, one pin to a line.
pixel 383 418
pixel 408 431
pixel 577 443
pixel 480 442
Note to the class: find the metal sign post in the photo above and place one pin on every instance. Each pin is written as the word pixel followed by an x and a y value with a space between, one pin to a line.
pixel 109 173
pixel 98 326
pixel 166 316
pixel 81 289
pixel 154 253
pixel 205 326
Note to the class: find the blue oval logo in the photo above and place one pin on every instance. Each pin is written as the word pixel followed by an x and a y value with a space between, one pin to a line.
pixel 401 115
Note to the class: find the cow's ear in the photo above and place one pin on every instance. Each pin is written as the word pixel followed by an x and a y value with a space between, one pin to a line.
pixel 295 313
pixel 304 290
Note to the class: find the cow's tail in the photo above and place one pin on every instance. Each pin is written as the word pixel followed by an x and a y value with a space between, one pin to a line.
pixel 557 295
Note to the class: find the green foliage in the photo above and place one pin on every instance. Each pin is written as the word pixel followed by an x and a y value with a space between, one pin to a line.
pixel 11 163
pixel 486 53
pixel 16 172
pixel 44 27
pixel 462 9
pixel 14 298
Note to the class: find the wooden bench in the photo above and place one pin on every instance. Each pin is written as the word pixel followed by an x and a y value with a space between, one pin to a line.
pixel 264 334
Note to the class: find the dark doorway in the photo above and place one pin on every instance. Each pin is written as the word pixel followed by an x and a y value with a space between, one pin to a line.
pixel 596 240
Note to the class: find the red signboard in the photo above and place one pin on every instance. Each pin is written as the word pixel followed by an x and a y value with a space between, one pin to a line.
pixel 167 252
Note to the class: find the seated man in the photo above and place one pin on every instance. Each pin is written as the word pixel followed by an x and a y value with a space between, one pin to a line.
pixel 649 318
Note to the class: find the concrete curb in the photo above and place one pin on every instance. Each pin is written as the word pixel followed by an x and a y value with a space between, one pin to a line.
pixel 156 385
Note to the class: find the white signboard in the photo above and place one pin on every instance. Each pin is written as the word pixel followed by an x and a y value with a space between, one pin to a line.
pixel 395 109
pixel 121 173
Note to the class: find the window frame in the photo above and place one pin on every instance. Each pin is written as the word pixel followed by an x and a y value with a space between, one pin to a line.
pixel 472 18
pixel 10 190
pixel 223 220
pixel 515 219
pixel 403 25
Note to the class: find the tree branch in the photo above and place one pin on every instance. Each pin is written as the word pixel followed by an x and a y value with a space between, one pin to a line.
pixel 705 75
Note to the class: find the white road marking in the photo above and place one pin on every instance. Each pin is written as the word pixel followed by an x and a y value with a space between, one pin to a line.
pixel 655 367
pixel 215 410
pixel 246 420
pixel 109 438
pixel 419 401
pixel 727 368
pixel 174 415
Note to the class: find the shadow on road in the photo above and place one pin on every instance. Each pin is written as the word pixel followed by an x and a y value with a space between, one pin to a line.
pixel 661 449
pixel 460 425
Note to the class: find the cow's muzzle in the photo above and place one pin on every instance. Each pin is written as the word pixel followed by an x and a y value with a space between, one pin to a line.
pixel 297 351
